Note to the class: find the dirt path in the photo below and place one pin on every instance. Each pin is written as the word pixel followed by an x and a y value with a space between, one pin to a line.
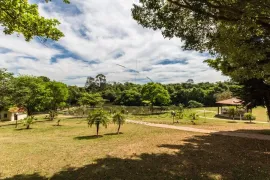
pixel 219 119
pixel 224 133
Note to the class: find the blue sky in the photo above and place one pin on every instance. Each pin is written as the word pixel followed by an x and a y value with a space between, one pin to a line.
pixel 99 35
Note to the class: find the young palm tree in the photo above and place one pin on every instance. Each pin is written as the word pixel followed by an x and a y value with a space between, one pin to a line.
pixel 119 119
pixel 98 117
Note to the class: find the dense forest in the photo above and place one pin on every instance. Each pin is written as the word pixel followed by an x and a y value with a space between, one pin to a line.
pixel 130 94
pixel 41 94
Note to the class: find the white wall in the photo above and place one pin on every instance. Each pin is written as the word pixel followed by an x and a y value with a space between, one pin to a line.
pixel 10 116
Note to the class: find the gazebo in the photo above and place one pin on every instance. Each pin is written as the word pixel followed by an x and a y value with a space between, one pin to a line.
pixel 229 102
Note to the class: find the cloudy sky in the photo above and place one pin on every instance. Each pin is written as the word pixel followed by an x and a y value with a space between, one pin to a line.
pixel 100 35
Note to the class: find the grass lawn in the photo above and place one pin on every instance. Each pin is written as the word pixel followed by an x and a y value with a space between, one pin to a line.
pixel 70 151
pixel 259 112
pixel 205 123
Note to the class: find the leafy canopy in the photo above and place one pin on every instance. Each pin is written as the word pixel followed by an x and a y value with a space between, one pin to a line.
pixel 58 94
pixel 22 17
pixel 6 88
pixel 98 117
pixel 236 32
pixel 91 99
pixel 156 94
pixel 31 93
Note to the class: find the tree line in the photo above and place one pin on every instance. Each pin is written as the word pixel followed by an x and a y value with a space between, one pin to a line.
pixel 156 94
pixel 40 94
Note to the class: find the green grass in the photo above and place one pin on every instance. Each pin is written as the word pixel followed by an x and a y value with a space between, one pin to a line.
pixel 70 151
pixel 260 113
pixel 201 122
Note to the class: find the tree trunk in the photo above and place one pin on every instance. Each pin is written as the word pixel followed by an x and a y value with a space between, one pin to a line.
pixel 28 112
pixel 28 126
pixel 97 128
pixel 119 125
pixel 16 123
pixel 267 104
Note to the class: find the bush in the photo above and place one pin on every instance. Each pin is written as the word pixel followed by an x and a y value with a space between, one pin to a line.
pixel 249 116
pixel 180 112
pixel 28 121
pixel 232 112
pixel 194 104
pixel 193 116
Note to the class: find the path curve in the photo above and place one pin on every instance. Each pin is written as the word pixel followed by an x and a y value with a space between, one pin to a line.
pixel 224 133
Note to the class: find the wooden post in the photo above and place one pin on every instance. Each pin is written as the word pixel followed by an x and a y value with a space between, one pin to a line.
pixel 221 109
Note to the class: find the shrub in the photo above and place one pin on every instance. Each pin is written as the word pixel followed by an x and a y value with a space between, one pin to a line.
pixel 193 116
pixel 28 121
pixel 232 112
pixel 180 112
pixel 52 114
pixel 194 104
pixel 249 116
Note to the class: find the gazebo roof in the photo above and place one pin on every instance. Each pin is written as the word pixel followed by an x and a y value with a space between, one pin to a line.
pixel 232 101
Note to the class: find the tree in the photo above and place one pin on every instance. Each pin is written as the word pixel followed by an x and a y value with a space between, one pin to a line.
pixel 235 32
pixel 129 97
pixel 224 95
pixel 90 84
pixel 119 119
pixel 194 104
pixel 28 121
pixel 96 84
pixel 203 23
pixel 58 94
pixel 22 17
pixel 80 111
pixel 91 99
pixel 97 117
pixel 190 81
pixel 109 95
pixel 156 94
pixel 30 93
pixel 52 114
pixel 101 81
pixel 74 94
pixel 6 88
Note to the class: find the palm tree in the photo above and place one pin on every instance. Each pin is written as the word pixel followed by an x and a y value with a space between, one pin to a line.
pixel 98 117
pixel 119 119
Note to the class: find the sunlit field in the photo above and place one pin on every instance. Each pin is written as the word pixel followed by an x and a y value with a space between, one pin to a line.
pixel 71 151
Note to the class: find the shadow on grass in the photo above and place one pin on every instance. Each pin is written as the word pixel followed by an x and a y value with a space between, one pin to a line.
pixel 250 123
pixel 260 131
pixel 22 129
pixel 55 125
pixel 34 176
pixel 113 134
pixel 88 137
pixel 75 117
pixel 205 157
pixel 232 121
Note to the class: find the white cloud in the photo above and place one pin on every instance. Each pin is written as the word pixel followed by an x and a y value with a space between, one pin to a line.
pixel 98 30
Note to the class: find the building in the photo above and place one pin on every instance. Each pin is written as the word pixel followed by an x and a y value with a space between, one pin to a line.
pixel 13 114
pixel 240 108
